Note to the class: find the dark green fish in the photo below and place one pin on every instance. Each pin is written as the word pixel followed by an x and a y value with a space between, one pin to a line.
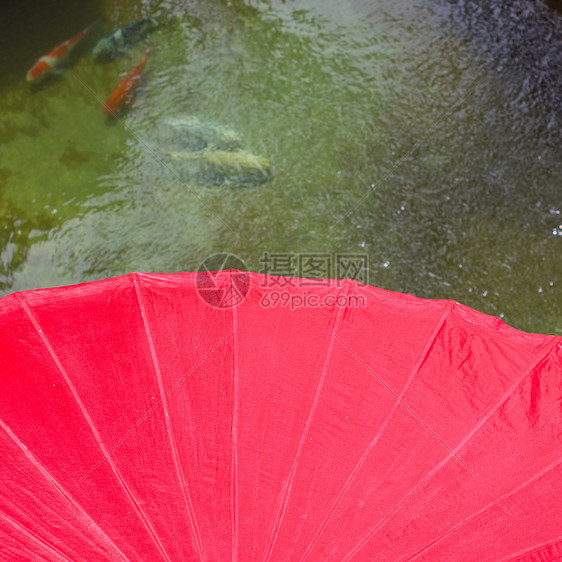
pixel 208 153
pixel 115 43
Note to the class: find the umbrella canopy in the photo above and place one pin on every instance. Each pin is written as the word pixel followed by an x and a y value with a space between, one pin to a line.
pixel 236 416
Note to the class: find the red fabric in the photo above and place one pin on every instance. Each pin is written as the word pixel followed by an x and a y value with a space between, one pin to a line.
pixel 137 422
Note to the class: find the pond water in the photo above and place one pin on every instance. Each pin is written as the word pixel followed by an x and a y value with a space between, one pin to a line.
pixel 407 135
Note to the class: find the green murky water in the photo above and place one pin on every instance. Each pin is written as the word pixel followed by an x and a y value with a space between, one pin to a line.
pixel 391 136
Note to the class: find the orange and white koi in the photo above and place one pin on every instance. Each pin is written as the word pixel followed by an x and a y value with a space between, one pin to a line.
pixel 121 97
pixel 53 60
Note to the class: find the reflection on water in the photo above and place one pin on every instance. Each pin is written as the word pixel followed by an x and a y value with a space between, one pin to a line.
pixel 393 129
pixel 521 41
pixel 18 233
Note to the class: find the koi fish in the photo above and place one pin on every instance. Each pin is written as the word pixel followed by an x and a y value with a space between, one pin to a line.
pixel 54 60
pixel 121 97
pixel 120 40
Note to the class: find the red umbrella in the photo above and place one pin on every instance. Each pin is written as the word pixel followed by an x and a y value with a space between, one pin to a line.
pixel 235 416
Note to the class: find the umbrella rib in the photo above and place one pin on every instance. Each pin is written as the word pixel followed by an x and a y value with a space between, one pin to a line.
pixel 487 507
pixel 184 486
pixel 51 512
pixel 287 487
pixel 152 408
pixel 234 503
pixel 536 548
pixel 399 400
pixel 131 496
pixel 51 548
pixel 60 489
pixel 453 454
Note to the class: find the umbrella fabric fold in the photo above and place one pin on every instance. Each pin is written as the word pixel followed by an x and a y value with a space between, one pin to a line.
pixel 243 417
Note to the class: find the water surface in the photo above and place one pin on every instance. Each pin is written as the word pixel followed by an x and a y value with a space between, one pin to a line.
pixel 394 131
